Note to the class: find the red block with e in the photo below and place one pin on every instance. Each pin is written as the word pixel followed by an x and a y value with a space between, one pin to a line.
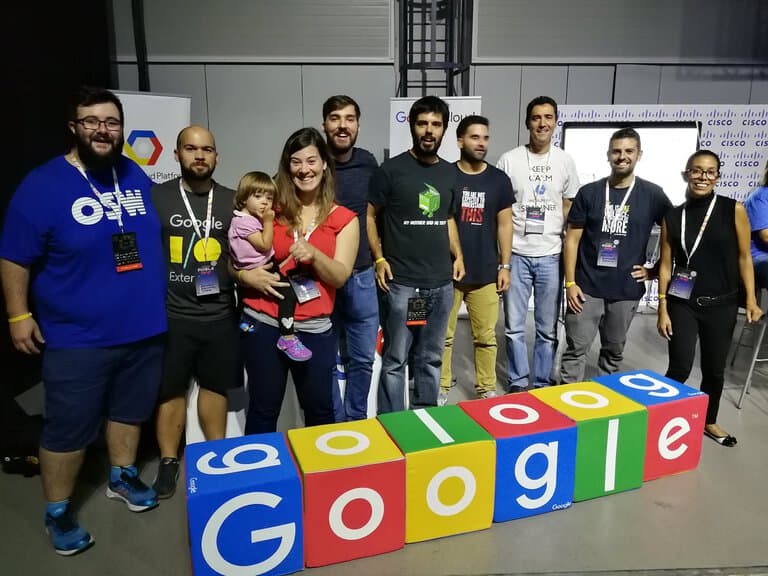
pixel 353 476
pixel 676 415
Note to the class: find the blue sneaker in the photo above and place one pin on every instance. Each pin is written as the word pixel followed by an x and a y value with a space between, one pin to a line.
pixel 131 490
pixel 67 536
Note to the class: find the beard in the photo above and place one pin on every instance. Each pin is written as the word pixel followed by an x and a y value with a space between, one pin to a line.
pixel 190 175
pixel 421 152
pixel 94 161
pixel 336 150
pixel 473 155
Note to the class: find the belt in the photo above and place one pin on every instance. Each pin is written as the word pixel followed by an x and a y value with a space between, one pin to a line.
pixel 708 301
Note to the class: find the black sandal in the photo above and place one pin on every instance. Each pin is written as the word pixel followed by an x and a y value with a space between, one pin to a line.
pixel 726 440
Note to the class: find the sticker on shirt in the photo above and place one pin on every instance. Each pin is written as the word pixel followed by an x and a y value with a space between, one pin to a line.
pixel 534 219
pixel 682 283
pixel 608 254
pixel 305 287
pixel 126 252
pixel 206 281
pixel 417 312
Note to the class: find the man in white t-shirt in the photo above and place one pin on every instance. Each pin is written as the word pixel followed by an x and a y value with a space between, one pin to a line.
pixel 545 181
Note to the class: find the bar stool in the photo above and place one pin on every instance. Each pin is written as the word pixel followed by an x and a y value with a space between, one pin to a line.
pixel 761 326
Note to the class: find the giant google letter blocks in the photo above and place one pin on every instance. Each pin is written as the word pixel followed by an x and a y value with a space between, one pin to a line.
pixel 354 491
pixel 611 437
pixel 676 415
pixel 450 463
pixel 244 506
pixel 410 476
pixel 535 454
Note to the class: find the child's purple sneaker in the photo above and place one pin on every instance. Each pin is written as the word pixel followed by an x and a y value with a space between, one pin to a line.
pixel 294 349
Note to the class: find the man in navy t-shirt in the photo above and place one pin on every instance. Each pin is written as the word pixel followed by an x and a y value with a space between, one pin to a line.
pixel 356 311
pixel 82 236
pixel 609 225
pixel 484 222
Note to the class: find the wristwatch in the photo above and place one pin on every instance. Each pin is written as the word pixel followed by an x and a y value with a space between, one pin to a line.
pixel 504 267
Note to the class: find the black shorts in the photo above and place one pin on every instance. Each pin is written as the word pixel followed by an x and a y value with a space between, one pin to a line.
pixel 208 352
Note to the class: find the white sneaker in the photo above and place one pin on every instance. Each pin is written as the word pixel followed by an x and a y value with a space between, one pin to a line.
pixel 489 394
pixel 442 398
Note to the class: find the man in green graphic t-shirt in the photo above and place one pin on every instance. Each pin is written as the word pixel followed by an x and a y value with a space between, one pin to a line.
pixel 417 255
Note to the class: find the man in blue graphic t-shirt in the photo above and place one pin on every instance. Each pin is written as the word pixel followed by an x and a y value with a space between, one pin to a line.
pixel 82 236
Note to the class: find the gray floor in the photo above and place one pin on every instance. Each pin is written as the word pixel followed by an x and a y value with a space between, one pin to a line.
pixel 713 520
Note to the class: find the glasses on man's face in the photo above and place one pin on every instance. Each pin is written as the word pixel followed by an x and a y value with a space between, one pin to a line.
pixel 698 173
pixel 93 123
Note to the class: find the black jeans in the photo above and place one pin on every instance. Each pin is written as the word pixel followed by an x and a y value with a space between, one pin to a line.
pixel 713 326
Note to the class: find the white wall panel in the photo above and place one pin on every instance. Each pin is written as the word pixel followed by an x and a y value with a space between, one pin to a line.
pixel 499 87
pixel 252 110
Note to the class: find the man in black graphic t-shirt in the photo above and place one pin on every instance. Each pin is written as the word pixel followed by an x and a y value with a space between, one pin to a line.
pixel 609 226
pixel 412 234
pixel 484 223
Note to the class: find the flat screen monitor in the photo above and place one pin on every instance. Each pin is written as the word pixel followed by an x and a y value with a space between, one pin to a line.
pixel 666 147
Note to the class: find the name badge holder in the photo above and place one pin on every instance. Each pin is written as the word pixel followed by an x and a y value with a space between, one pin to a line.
pixel 534 219
pixel 682 283
pixel 304 286
pixel 683 279
pixel 418 311
pixel 126 252
pixel 608 254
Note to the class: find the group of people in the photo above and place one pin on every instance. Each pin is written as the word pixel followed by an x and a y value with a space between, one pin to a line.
pixel 139 288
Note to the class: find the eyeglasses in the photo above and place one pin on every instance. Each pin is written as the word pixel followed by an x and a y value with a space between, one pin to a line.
pixel 698 173
pixel 93 123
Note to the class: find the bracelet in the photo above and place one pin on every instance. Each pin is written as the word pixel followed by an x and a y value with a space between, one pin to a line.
pixel 504 267
pixel 382 259
pixel 19 318
pixel 662 296
pixel 569 284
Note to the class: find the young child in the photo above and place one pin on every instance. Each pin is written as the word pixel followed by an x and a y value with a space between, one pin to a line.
pixel 250 242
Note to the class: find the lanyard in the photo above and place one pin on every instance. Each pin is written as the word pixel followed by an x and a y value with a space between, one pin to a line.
pixel 546 164
pixel 312 227
pixel 194 221
pixel 621 206
pixel 98 194
pixel 688 256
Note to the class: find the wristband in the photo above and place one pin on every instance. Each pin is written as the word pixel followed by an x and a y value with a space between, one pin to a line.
pixel 662 296
pixel 504 267
pixel 19 318
pixel 382 259
pixel 238 276
pixel 569 284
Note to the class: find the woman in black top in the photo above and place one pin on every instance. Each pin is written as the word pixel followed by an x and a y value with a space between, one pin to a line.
pixel 704 255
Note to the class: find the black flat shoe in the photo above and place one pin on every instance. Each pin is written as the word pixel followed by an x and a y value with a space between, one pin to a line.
pixel 726 440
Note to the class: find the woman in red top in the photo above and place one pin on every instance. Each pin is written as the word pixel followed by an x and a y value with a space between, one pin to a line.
pixel 315 243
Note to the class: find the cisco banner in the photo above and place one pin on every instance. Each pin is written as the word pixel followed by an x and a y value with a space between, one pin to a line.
pixel 152 122
pixel 738 134
pixel 400 133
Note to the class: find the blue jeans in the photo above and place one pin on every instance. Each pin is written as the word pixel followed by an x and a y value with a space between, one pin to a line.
pixel 542 274
pixel 356 321
pixel 268 370
pixel 427 343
